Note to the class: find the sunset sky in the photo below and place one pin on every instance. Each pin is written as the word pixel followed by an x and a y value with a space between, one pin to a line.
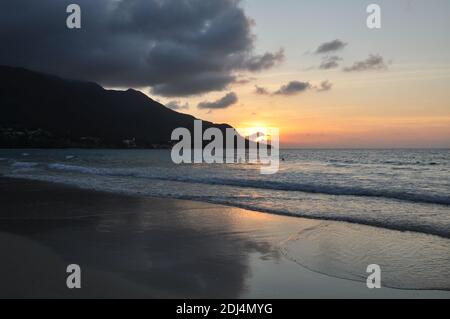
pixel 310 68
pixel 405 105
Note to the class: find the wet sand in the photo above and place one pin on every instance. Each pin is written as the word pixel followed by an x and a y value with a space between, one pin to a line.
pixel 138 247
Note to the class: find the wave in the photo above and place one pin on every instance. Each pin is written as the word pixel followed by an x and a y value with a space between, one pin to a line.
pixel 425 229
pixel 19 165
pixel 344 163
pixel 81 169
pixel 318 189
pixel 360 220
pixel 312 188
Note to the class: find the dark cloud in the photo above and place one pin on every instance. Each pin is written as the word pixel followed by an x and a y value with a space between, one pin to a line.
pixel 325 86
pixel 293 87
pixel 176 47
pixel 176 105
pixel 330 62
pixel 244 80
pixel 193 84
pixel 222 103
pixel 373 62
pixel 331 46
pixel 264 62
pixel 261 91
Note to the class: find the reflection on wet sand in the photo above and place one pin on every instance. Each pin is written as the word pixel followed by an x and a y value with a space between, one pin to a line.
pixel 177 248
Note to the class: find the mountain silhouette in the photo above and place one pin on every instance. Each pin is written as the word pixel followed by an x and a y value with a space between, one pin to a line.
pixel 40 110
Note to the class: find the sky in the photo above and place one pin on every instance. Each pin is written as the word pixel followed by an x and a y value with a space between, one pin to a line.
pixel 313 69
pixel 406 105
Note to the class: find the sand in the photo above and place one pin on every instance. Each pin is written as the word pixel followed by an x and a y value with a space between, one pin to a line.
pixel 138 247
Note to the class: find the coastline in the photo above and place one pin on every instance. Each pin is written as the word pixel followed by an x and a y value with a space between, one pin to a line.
pixel 131 246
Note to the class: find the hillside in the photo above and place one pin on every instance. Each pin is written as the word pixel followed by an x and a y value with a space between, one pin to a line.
pixel 40 110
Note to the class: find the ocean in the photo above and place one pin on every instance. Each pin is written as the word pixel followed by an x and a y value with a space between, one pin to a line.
pixel 402 190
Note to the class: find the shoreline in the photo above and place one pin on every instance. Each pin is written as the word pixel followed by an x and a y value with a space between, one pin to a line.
pixel 367 223
pixel 137 246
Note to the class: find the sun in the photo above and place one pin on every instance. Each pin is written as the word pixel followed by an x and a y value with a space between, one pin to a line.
pixel 256 133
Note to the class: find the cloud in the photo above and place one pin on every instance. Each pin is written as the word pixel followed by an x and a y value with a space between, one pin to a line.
pixel 174 47
pixel 261 90
pixel 330 62
pixel 176 105
pixel 293 87
pixel 193 84
pixel 325 86
pixel 373 62
pixel 331 46
pixel 244 80
pixel 222 103
pixel 264 62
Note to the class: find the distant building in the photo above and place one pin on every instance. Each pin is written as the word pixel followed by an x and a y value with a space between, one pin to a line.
pixel 130 143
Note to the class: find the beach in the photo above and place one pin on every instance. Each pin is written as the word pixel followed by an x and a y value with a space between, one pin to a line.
pixel 184 149
pixel 145 247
